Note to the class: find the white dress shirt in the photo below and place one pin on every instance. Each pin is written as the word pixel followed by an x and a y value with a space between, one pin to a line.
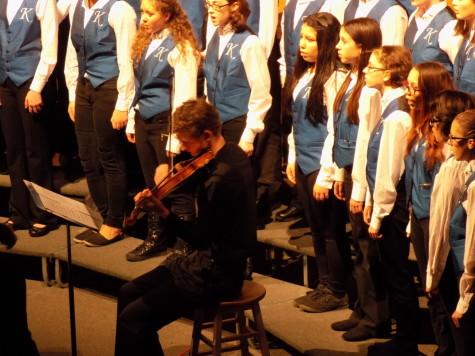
pixel 467 285
pixel 450 43
pixel 448 185
pixel 390 166
pixel 257 74
pixel 45 12
pixel 393 23
pixel 122 19
pixel 424 19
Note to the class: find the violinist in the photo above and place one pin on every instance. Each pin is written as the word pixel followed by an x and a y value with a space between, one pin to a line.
pixel 223 233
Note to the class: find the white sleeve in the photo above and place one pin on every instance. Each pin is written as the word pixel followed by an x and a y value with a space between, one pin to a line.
pixel 448 42
pixel 63 9
pixel 448 185
pixel 71 70
pixel 290 140
pixel 122 19
pixel 369 113
pixel 268 23
pixel 467 285
pixel 336 8
pixel 46 12
pixel 393 26
pixel 281 60
pixel 257 73
pixel 390 166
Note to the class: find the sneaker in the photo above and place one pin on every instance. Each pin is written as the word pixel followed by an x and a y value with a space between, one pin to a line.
pixel 326 302
pixel 316 293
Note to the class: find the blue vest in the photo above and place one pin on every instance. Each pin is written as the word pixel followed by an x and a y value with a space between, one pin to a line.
pixel 419 181
pixel 254 17
pixel 426 47
pixel 464 68
pixel 195 10
pixel 291 35
pixel 152 77
pixel 226 80
pixel 345 135
pixel 399 103
pixel 20 43
pixel 376 12
pixel 136 6
pixel 408 6
pixel 95 45
pixel 457 232
pixel 309 138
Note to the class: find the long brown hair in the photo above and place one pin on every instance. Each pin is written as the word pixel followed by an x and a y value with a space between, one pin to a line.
pixel 178 24
pixel 239 18
pixel 366 33
pixel 433 78
pixel 464 27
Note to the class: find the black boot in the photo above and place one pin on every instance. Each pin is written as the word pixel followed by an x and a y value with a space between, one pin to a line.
pixel 155 242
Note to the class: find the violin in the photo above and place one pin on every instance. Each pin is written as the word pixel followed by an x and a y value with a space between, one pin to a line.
pixel 175 177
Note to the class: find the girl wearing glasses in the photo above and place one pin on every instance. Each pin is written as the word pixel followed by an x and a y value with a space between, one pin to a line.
pixel 422 35
pixel 385 211
pixel 449 183
pixel 237 77
pixel 164 46
pixel 462 230
pixel 355 111
pixel 312 87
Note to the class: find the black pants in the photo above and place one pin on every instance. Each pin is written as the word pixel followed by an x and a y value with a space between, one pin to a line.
pixel 327 224
pixel 371 309
pixel 101 149
pixel 440 317
pixel 28 154
pixel 232 130
pixel 394 252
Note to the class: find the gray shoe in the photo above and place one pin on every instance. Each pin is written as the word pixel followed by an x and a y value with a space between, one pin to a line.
pixel 326 302
pixel 313 294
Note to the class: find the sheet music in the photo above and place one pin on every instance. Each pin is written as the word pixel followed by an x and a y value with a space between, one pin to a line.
pixel 64 207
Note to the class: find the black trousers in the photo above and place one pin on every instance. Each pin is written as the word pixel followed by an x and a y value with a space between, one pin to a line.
pixel 371 308
pixel 28 154
pixel 439 315
pixel 232 130
pixel 101 149
pixel 327 224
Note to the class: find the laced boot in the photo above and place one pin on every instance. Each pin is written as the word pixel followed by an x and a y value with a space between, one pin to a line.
pixel 155 242
pixel 181 247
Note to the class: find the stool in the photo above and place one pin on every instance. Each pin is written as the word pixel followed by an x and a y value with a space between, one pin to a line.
pixel 249 298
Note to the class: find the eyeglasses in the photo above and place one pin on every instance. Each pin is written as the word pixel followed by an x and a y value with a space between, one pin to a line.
pixel 215 6
pixel 451 138
pixel 409 88
pixel 374 69
pixel 434 120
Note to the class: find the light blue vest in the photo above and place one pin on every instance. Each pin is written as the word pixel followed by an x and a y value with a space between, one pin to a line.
pixel 426 47
pixel 152 81
pixel 253 19
pixel 458 226
pixel 227 84
pixel 291 35
pixel 195 10
pixel 309 138
pixel 408 6
pixel 95 45
pixel 464 68
pixel 376 12
pixel 136 6
pixel 374 143
pixel 419 181
pixel 20 43
pixel 345 135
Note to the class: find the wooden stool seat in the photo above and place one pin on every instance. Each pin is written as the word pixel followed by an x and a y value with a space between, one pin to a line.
pixel 251 294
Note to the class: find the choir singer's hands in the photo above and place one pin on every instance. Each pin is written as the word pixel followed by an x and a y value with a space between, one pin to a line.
pixel 290 171
pixel 119 119
pixel 320 193
pixel 339 190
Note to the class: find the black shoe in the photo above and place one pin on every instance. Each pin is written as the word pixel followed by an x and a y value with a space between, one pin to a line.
pixel 392 348
pixel 288 214
pixel 345 325
pixel 83 236
pixel 359 334
pixel 14 226
pixel 155 242
pixel 97 240
pixel 41 231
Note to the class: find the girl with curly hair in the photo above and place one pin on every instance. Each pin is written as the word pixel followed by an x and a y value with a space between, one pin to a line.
pixel 237 77
pixel 164 51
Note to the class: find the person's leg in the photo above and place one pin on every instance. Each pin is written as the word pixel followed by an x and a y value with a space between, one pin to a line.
pixel 232 130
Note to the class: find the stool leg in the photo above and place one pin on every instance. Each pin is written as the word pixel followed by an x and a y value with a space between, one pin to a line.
pixel 256 312
pixel 197 326
pixel 242 328
pixel 217 334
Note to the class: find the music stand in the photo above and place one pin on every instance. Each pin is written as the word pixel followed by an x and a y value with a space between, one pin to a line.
pixel 72 211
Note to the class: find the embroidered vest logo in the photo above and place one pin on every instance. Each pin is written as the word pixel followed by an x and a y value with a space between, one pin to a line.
pixel 160 52
pixel 24 14
pixel 230 47
pixel 98 15
pixel 430 32
pixel 307 93
pixel 469 50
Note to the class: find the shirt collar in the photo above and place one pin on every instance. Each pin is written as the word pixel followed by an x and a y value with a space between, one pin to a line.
pixel 160 35
pixel 390 95
pixel 433 11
